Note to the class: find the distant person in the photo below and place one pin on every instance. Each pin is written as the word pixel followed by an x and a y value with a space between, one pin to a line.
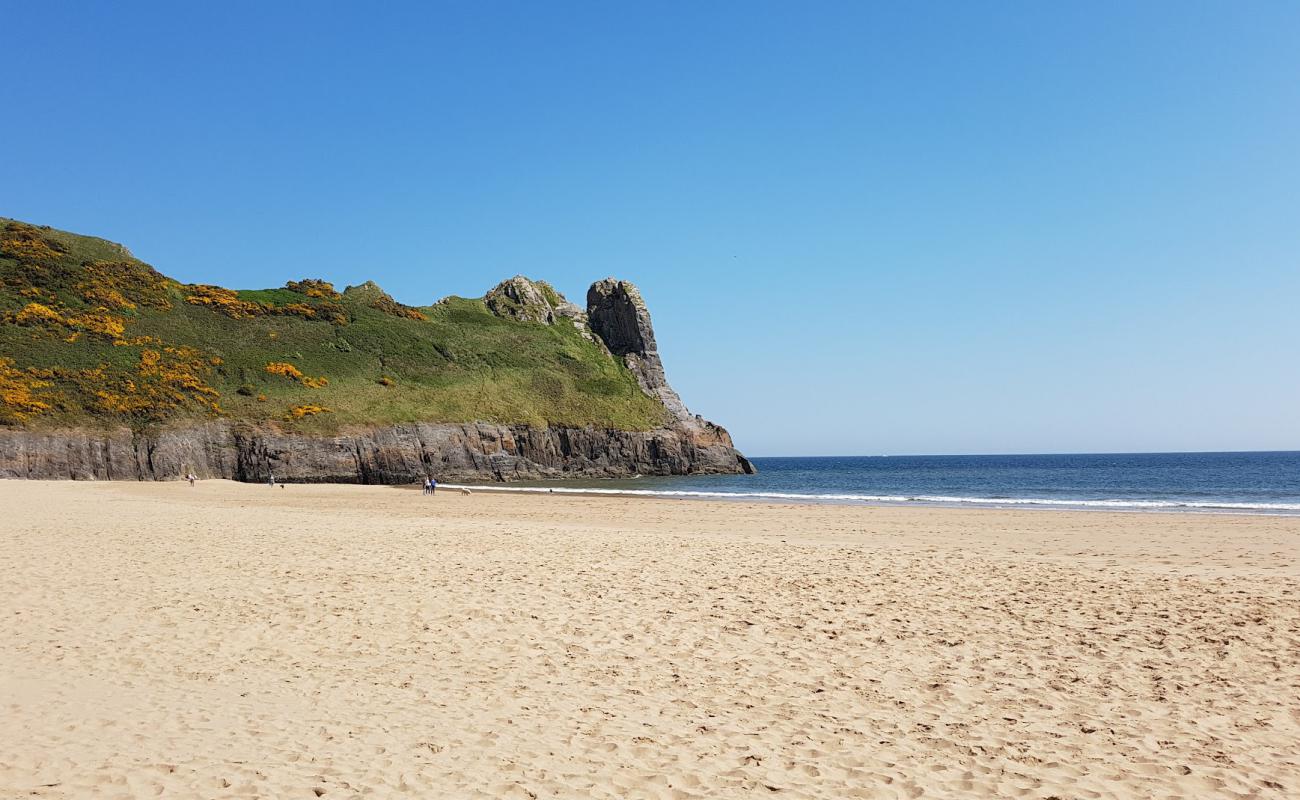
pixel 191 478
pixel 271 480
pixel 433 486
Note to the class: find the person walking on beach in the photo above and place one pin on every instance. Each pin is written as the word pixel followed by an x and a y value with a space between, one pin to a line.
pixel 433 485
pixel 191 477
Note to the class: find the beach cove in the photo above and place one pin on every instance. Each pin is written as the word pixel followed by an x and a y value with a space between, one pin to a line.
pixel 235 640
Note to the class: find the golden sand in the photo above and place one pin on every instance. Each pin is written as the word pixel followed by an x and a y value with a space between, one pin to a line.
pixel 238 641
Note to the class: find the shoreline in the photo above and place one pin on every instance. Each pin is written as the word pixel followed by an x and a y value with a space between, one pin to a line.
pixel 1173 507
pixel 880 501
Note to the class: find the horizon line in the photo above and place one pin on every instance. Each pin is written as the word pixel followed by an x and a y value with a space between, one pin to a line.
pixel 1079 453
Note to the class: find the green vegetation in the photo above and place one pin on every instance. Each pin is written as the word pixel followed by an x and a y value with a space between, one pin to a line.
pixel 90 335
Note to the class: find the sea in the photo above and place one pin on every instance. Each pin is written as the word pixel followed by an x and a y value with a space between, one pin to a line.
pixel 1251 482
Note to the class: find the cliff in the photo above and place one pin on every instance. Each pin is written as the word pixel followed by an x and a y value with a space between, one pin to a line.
pixel 110 370
pixel 389 455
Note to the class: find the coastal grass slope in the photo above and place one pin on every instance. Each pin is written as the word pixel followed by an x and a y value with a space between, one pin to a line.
pixel 91 336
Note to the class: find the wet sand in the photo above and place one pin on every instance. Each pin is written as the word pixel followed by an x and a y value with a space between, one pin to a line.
pixel 234 640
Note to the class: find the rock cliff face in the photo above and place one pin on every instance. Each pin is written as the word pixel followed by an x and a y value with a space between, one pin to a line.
pixel 619 316
pixel 616 318
pixel 535 301
pixel 391 455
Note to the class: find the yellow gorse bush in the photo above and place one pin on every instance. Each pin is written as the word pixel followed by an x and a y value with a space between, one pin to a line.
pixel 293 373
pixel 25 244
pixel 19 389
pixel 98 322
pixel 308 410
pixel 39 314
pixel 106 297
pixel 224 300
pixel 314 287
pixel 167 380
pixel 390 306
pixel 287 370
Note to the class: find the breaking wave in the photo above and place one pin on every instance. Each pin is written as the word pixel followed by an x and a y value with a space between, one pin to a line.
pixel 940 500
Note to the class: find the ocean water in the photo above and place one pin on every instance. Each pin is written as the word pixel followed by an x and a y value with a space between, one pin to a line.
pixel 1257 482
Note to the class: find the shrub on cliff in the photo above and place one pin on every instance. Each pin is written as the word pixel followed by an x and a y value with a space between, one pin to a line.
pixel 20 394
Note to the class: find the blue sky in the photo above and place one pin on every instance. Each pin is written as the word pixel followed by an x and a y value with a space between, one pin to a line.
pixel 861 227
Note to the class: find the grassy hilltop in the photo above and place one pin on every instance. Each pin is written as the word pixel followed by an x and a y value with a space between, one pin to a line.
pixel 90 335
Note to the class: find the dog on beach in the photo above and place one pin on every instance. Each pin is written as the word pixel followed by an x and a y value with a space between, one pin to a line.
pixel 465 491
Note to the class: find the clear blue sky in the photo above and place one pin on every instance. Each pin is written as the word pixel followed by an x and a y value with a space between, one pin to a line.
pixel 861 227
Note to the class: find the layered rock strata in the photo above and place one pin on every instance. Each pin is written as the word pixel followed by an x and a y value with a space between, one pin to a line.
pixel 390 455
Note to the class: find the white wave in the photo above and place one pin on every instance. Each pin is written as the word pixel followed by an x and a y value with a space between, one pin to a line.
pixel 892 499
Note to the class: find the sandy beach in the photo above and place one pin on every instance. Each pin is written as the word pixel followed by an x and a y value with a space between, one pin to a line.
pixel 233 640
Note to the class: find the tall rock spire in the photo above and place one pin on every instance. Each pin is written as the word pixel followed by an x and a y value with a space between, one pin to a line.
pixel 618 315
